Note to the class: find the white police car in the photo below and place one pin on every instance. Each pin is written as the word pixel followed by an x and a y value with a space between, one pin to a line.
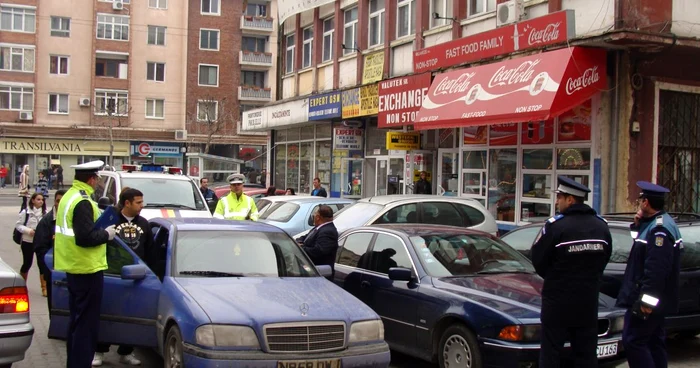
pixel 166 191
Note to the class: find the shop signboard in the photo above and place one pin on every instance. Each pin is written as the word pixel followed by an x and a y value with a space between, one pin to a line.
pixel 157 149
pixel 351 103
pixel 374 68
pixel 400 99
pixel 61 147
pixel 541 31
pixel 254 120
pixel 369 100
pixel 325 106
pixel 288 113
pixel 404 141
pixel 347 139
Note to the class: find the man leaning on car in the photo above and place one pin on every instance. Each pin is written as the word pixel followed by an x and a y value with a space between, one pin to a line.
pixel 570 253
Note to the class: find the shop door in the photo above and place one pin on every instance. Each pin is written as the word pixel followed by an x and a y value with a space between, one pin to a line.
pixel 382 170
pixel 351 174
pixel 448 174
pixel 395 179
pixel 417 161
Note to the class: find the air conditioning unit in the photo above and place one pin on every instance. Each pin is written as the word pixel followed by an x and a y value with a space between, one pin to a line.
pixel 118 5
pixel 180 135
pixel 26 115
pixel 509 12
pixel 84 101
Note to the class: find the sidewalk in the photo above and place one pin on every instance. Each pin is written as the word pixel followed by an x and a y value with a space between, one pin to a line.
pixel 10 191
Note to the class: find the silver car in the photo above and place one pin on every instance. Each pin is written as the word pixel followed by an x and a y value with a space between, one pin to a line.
pixel 294 214
pixel 16 330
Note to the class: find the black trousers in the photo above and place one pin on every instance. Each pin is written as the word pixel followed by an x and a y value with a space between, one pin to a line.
pixel 584 342
pixel 27 256
pixel 85 300
pixel 24 203
pixel 44 269
pixel 645 341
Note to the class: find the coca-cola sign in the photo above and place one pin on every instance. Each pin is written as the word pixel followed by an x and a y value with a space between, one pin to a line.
pixel 544 35
pixel 589 77
pixel 448 85
pixel 520 74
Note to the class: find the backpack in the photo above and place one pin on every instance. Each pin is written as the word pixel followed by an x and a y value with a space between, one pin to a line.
pixel 16 235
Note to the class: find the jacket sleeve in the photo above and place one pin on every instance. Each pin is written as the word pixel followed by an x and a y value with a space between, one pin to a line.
pixel 43 235
pixel 253 211
pixel 326 243
pixel 20 223
pixel 219 212
pixel 658 262
pixel 84 227
pixel 609 247
pixel 543 249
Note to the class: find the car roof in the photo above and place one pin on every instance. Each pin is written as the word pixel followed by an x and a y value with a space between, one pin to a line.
pixel 424 229
pixel 392 198
pixel 148 175
pixel 194 223
pixel 306 199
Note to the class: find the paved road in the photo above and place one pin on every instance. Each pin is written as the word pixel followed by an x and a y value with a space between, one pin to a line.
pixel 46 353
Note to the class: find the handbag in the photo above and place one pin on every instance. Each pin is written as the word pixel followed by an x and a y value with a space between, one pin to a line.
pixel 17 235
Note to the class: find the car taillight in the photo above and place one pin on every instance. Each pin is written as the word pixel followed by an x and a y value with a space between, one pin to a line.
pixel 14 300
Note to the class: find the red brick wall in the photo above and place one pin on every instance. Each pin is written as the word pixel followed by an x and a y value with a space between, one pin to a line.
pixel 647 15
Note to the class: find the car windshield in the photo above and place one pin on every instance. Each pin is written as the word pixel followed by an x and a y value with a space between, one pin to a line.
pixel 354 215
pixel 219 253
pixel 162 192
pixel 280 213
pixel 444 255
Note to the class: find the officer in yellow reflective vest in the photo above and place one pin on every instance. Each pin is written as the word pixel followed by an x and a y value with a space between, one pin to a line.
pixel 236 205
pixel 80 251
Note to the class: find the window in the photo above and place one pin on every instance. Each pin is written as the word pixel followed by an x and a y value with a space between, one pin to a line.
pixel 155 71
pixel 253 44
pixel 256 10
pixel 60 27
pixel 350 31
pixel 111 103
pixel 156 35
pixel 58 65
pixel 289 56
pixel 17 58
pixel 354 249
pixel 209 39
pixel 472 216
pixel 154 108
pixel 207 110
pixel 208 75
pixel 16 98
pixel 376 22
pixel 406 214
pixel 389 251
pixel 109 68
pixel 17 19
pixel 441 213
pixel 406 18
pixel 158 4
pixel 117 258
pixel 308 47
pixel 256 79
pixel 210 7
pixel 113 27
pixel 328 31
pixel 58 103
pixel 522 239
pixel 443 8
pixel 481 6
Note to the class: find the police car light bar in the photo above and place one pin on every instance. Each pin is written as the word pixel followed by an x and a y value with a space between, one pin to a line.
pixel 155 168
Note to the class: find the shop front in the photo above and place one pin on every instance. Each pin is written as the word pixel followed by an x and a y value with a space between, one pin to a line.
pixel 161 153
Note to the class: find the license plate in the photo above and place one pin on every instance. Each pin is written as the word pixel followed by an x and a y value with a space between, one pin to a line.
pixel 607 350
pixel 321 363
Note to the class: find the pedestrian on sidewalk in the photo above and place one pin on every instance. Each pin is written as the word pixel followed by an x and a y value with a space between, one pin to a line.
pixel 3 175
pixel 59 177
pixel 42 185
pixel 24 186
pixel 43 242
pixel 26 224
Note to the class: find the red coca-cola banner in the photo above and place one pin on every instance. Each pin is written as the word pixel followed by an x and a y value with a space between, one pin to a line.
pixel 531 88
pixel 400 99
pixel 545 30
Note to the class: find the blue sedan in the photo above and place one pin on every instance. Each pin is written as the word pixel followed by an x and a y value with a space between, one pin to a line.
pixel 229 293
pixel 453 296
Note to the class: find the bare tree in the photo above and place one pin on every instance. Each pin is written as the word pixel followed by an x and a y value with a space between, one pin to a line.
pixel 118 116
pixel 213 117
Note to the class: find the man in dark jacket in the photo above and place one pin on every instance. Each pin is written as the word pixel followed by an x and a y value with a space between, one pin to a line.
pixel 43 242
pixel 318 190
pixel 321 244
pixel 423 186
pixel 570 254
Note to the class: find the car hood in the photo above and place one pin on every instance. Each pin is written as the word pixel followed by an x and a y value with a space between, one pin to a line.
pixel 150 213
pixel 262 300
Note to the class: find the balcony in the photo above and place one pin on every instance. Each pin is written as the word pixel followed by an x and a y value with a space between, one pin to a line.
pixel 256 24
pixel 259 60
pixel 253 93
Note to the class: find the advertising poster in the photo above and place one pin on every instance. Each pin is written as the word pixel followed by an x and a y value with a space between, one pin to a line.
pixel 575 124
pixel 351 103
pixel 503 134
pixel 538 132
pixel 476 134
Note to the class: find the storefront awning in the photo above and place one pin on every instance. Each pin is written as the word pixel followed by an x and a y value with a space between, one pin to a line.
pixel 530 88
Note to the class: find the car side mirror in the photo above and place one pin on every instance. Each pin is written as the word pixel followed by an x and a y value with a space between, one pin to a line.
pixel 400 274
pixel 134 272
pixel 104 202
pixel 325 270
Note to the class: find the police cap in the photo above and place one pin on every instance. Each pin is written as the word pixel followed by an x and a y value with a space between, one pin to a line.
pixel 571 187
pixel 236 179
pixel 89 167
pixel 651 189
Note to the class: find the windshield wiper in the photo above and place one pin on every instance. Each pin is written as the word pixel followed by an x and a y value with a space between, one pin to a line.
pixel 212 274
pixel 174 205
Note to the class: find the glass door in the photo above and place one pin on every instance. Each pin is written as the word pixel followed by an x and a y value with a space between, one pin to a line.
pixel 351 174
pixel 417 161
pixel 448 175
pixel 395 179
pixel 382 171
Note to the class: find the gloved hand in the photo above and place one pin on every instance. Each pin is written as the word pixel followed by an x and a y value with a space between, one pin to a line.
pixel 639 310
pixel 111 231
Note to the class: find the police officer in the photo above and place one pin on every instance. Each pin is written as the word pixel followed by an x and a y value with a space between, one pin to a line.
pixel 80 251
pixel 236 205
pixel 570 254
pixel 650 286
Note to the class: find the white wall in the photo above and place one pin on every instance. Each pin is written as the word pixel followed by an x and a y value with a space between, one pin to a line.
pixel 686 18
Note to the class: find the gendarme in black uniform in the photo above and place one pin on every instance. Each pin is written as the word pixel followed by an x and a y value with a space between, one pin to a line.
pixel 570 254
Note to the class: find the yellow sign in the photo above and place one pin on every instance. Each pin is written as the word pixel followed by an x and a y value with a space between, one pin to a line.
pixel 403 141
pixel 61 147
pixel 369 100
pixel 351 103
pixel 374 68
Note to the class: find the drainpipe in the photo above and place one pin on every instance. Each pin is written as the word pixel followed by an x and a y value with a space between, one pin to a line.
pixel 615 127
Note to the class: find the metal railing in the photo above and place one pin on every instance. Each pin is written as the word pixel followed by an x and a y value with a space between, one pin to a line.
pixel 248 92
pixel 262 58
pixel 258 23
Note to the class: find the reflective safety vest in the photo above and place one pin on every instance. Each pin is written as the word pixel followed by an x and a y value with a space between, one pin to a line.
pixel 68 256
pixel 232 208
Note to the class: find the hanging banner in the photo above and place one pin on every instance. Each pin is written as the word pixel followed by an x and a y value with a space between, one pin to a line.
pixel 287 8
pixel 351 103
pixel 326 106
pixel 400 99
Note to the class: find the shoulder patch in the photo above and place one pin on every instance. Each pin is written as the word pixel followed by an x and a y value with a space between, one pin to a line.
pixel 659 241
pixel 601 217
pixel 555 218
pixel 659 220
pixel 84 194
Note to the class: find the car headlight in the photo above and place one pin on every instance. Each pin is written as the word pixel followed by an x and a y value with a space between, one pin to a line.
pixel 225 335
pixel 366 331
pixel 618 324
pixel 520 333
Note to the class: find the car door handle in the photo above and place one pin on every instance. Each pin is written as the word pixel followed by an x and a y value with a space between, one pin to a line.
pixel 365 284
pixel 60 283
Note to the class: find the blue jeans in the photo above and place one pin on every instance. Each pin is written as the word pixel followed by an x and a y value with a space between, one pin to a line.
pixel 2 182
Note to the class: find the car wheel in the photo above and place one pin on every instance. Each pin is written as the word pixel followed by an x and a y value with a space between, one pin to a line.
pixel 459 349
pixel 173 349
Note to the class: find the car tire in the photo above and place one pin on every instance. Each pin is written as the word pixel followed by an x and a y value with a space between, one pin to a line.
pixel 459 348
pixel 172 354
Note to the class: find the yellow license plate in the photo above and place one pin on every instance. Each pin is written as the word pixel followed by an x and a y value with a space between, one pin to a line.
pixel 320 363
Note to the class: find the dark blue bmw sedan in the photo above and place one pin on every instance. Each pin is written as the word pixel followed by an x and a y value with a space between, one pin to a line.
pixel 453 296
